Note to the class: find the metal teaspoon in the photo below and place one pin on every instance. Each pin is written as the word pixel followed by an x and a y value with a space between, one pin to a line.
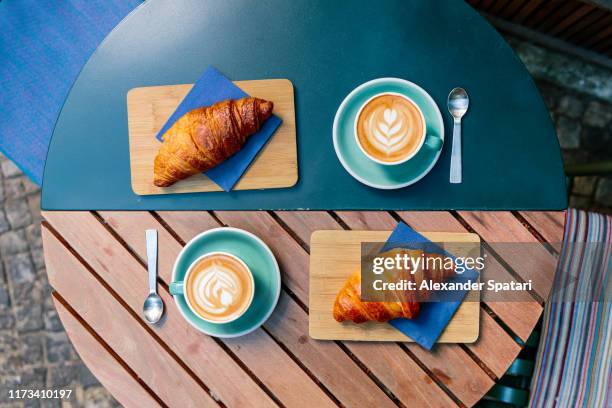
pixel 153 307
pixel 458 102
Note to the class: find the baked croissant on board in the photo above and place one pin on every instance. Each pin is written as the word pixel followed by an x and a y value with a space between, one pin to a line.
pixel 349 307
pixel 207 136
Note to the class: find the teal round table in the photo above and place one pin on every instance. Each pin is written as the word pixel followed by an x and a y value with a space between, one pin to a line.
pixel 326 48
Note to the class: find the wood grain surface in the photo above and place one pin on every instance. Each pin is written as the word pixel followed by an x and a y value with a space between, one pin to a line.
pixel 118 379
pixel 336 255
pixel 96 264
pixel 118 328
pixel 150 107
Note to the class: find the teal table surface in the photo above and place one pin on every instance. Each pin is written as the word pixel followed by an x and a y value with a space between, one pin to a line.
pixel 511 155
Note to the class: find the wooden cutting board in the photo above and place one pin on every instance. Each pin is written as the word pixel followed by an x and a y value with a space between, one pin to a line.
pixel 335 255
pixel 150 107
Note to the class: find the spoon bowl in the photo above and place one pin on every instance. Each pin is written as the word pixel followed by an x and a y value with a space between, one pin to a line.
pixel 458 102
pixel 153 308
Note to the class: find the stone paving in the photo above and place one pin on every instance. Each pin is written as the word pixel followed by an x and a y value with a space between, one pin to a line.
pixel 34 349
pixel 584 129
pixel 579 98
pixel 35 352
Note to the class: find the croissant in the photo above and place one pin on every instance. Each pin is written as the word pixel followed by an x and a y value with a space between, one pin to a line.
pixel 349 307
pixel 206 136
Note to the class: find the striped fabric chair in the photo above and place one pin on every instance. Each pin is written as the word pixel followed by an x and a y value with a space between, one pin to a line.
pixel 574 364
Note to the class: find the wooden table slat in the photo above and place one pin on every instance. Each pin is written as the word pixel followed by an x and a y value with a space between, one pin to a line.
pixel 571 19
pixel 245 371
pixel 491 334
pixel 291 257
pixel 183 221
pixel 364 220
pixel 498 6
pixel 456 370
pixel 300 222
pixel 400 373
pixel 303 223
pixel 585 21
pixel 466 376
pixel 275 368
pixel 494 347
pixel 332 366
pixel 335 255
pixel 520 317
pixel 549 224
pixel 528 258
pixel 526 11
pixel 396 385
pixel 512 8
pixel 126 336
pixel 227 381
pixel 115 378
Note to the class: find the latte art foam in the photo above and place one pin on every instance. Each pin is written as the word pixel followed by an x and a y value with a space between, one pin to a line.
pixel 390 128
pixel 219 288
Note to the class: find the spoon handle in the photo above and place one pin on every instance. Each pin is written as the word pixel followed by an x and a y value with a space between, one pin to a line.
pixel 152 259
pixel 455 164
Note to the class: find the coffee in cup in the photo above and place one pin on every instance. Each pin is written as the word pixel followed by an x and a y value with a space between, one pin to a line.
pixel 219 287
pixel 390 128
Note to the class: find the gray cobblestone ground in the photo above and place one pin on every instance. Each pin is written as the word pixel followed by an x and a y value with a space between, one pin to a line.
pixel 579 98
pixel 34 349
pixel 584 129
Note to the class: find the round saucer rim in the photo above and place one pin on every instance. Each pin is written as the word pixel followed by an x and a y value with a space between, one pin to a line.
pixel 342 107
pixel 276 295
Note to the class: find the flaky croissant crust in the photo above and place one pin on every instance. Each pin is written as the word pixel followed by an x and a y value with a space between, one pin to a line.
pixel 348 305
pixel 206 136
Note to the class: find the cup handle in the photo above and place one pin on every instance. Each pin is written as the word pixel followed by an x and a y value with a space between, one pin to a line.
pixel 433 142
pixel 176 288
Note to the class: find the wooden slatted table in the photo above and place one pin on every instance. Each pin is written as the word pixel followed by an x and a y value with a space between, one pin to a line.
pixel 96 264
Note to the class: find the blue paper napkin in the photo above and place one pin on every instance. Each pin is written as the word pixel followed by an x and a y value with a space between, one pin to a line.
pixel 214 87
pixel 433 316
